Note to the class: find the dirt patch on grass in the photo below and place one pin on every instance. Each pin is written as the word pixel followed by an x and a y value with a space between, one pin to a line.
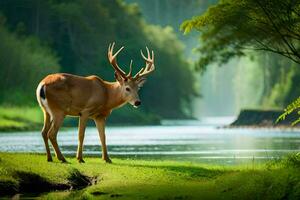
pixel 77 180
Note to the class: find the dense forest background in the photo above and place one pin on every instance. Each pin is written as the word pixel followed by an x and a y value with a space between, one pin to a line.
pixel 41 37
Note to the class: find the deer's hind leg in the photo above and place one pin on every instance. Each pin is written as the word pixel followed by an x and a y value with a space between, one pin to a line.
pixel 81 131
pixel 45 130
pixel 56 122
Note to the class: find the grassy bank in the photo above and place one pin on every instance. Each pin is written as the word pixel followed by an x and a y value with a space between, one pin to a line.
pixel 20 118
pixel 14 118
pixel 137 179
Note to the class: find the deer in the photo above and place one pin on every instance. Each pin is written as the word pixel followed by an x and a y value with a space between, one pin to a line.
pixel 62 94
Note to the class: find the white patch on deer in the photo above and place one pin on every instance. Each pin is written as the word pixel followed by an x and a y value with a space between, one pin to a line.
pixel 38 93
pixel 43 102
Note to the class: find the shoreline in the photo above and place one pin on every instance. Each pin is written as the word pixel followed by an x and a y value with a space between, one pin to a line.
pixel 284 128
pixel 257 118
pixel 19 119
pixel 16 119
pixel 144 179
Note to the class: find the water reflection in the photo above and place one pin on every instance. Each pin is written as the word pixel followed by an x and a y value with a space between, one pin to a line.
pixel 202 143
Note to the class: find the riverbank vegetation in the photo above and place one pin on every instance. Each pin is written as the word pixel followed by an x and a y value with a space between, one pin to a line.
pixel 29 118
pixel 251 118
pixel 139 179
pixel 20 118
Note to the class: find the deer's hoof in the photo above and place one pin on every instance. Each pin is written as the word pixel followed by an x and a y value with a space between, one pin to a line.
pixel 63 160
pixel 107 160
pixel 49 159
pixel 81 160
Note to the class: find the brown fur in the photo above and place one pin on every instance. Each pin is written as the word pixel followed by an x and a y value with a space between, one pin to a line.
pixel 75 95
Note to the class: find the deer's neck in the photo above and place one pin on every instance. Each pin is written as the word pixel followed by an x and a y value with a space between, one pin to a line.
pixel 115 98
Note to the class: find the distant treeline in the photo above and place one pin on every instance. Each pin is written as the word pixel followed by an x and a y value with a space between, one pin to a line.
pixel 41 37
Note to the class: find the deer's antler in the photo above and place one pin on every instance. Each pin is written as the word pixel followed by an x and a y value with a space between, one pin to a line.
pixel 113 59
pixel 142 73
pixel 149 65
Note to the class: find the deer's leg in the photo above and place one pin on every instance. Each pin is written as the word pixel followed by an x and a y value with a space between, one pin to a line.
pixel 45 130
pixel 52 135
pixel 100 123
pixel 81 131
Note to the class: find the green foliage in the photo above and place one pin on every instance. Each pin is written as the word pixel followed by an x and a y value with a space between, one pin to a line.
pixel 283 88
pixel 292 160
pixel 278 86
pixel 294 106
pixel 171 73
pixel 233 26
pixel 79 33
pixel 126 115
pixel 23 63
pixel 137 116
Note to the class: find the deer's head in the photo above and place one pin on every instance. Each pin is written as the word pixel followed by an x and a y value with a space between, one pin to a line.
pixel 130 85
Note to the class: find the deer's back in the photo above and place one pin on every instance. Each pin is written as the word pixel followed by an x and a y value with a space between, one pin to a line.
pixel 74 94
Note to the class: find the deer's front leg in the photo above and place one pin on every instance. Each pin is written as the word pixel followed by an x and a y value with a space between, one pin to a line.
pixel 100 123
pixel 81 131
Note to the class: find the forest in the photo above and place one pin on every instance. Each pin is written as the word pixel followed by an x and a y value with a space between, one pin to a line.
pixel 43 37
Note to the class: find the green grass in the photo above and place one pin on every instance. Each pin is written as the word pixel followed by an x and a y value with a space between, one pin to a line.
pixel 14 118
pixel 138 179
pixel 20 118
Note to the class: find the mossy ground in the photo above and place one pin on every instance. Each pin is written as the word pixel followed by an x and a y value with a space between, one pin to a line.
pixel 140 179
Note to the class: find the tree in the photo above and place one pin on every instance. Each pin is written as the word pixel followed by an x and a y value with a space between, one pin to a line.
pixel 24 61
pixel 232 27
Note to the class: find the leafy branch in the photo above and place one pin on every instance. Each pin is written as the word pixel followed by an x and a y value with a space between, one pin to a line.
pixel 294 106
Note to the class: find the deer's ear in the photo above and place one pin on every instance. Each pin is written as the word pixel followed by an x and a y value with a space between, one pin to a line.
pixel 141 82
pixel 119 78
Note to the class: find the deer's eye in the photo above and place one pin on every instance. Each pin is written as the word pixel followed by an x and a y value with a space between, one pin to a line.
pixel 128 89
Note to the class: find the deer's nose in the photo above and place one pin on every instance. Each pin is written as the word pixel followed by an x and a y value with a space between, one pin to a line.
pixel 137 103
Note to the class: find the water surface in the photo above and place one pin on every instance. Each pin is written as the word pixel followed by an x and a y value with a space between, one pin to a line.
pixel 200 142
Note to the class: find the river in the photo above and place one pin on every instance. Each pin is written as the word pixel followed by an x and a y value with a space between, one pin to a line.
pixel 197 142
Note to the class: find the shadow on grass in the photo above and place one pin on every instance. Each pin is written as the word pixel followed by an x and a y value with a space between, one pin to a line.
pixel 30 183
pixel 189 171
pixel 8 187
pixel 35 184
